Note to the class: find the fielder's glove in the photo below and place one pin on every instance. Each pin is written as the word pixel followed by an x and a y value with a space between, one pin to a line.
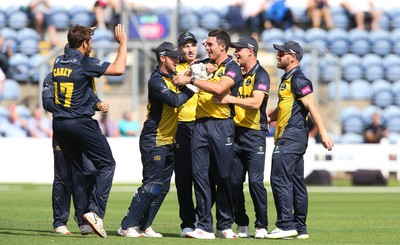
pixel 199 71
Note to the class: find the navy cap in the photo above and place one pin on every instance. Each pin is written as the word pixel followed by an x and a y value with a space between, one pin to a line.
pixel 183 37
pixel 292 47
pixel 168 49
pixel 246 42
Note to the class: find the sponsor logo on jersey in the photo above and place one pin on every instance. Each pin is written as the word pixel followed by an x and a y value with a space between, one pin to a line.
pixel 231 74
pixel 157 158
pixel 262 87
pixel 260 150
pixel 276 149
pixel 306 90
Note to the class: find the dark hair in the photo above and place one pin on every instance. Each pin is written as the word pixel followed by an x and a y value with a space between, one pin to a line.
pixel 78 34
pixel 222 38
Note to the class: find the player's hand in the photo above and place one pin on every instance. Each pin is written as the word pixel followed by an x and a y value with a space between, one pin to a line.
pixel 181 79
pixel 103 106
pixel 222 99
pixel 120 35
pixel 327 142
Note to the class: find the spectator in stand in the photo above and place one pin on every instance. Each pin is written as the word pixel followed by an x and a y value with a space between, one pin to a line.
pixel 2 82
pixel 107 13
pixel 253 14
pixel 375 131
pixel 317 9
pixel 17 126
pixel 5 54
pixel 362 12
pixel 39 13
pixel 108 126
pixel 39 126
pixel 128 126
pixel 278 15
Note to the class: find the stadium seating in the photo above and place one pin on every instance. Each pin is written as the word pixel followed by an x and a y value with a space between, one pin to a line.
pixel 338 41
pixel 360 89
pixel 11 90
pixel 273 35
pixel 60 17
pixel 3 19
pixel 359 43
pixel 352 121
pixel 368 111
pixel 351 138
pixel 19 65
pixel 343 92
pixel 316 37
pixel 18 20
pixel 380 42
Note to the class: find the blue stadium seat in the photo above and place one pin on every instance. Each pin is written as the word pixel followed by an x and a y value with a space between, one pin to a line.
pixel 360 89
pixel 343 91
pixel 359 43
pixel 384 21
pixel 390 111
pixel 380 42
pixel 316 37
pixel 206 9
pixel 371 60
pixel 18 20
pixel 13 131
pixel 11 90
pixel 29 47
pixel 298 35
pixel 27 33
pixel 210 21
pixel 393 138
pixel 352 72
pixel 390 60
pixel 393 73
pixel 188 18
pixel 395 22
pixel 60 17
pixel 380 85
pixel 10 37
pixel 19 66
pixel 23 111
pixel 396 87
pixel 340 18
pixel 328 65
pixel 352 121
pixel 351 138
pixel 338 41
pixel 77 9
pixel 393 124
pixel 34 64
pixel 383 98
pixel 273 35
pixel 83 19
pixel 374 72
pixel 350 59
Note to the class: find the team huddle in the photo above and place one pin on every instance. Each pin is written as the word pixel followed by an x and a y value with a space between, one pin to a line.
pixel 207 121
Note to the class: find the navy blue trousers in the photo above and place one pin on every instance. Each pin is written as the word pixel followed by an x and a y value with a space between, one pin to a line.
pixel 249 159
pixel 289 190
pixel 212 149
pixel 83 136
pixel 184 175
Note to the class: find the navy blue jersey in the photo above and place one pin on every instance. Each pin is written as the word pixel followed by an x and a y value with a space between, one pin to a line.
pixel 162 109
pixel 292 114
pixel 48 95
pixel 73 78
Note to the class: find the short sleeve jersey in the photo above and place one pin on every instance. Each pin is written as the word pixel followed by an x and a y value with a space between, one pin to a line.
pixel 73 80
pixel 257 79
pixel 292 114
pixel 206 107
pixel 162 110
pixel 187 111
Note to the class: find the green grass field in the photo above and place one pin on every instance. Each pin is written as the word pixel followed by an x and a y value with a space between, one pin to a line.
pixel 337 215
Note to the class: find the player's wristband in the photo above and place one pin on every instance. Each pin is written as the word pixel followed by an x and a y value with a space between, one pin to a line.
pixel 192 80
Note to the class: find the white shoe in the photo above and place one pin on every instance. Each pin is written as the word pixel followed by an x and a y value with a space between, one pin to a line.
pixel 200 234
pixel 278 233
pixel 85 229
pixel 130 232
pixel 62 230
pixel 303 236
pixel 149 232
pixel 260 233
pixel 186 230
pixel 228 233
pixel 243 231
pixel 96 223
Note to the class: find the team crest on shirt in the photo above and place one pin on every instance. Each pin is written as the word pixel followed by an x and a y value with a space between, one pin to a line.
pixel 282 86
pixel 100 63
pixel 164 90
pixel 276 149
pixel 157 158
pixel 228 141
pixel 248 82
pixel 260 150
